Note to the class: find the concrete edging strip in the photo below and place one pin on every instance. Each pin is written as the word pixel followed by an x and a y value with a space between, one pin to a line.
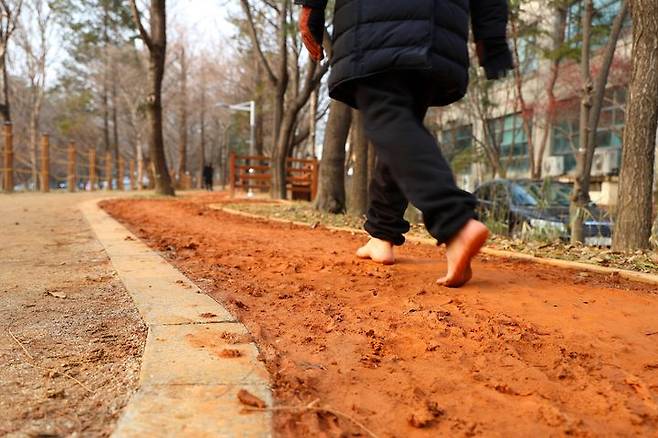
pixel 188 384
pixel 564 264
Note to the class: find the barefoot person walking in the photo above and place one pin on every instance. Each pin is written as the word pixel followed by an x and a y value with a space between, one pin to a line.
pixel 392 60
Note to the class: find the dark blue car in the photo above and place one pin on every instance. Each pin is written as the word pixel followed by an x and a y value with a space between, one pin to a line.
pixel 523 205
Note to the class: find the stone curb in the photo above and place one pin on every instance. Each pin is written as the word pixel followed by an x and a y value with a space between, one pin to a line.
pixel 188 382
pixel 563 264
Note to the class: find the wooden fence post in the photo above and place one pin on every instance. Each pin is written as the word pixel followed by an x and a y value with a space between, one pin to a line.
pixel 121 173
pixel 314 179
pixel 140 175
pixel 45 163
pixel 71 174
pixel 131 169
pixel 108 170
pixel 231 174
pixel 92 169
pixel 8 181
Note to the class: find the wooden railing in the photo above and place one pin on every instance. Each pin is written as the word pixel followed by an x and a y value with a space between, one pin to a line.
pixel 255 173
pixel 77 167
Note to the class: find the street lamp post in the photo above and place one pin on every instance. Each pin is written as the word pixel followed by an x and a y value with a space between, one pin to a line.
pixel 252 128
pixel 249 107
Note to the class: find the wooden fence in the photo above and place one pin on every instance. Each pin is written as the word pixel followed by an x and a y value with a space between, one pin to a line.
pixel 255 173
pixel 81 167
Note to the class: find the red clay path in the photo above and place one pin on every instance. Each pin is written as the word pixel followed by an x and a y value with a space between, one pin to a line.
pixel 523 350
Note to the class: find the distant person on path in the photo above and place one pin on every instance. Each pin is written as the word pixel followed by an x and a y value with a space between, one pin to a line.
pixel 393 60
pixel 208 172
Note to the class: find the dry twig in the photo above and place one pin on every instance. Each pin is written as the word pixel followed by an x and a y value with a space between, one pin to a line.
pixel 27 353
pixel 51 370
pixel 311 407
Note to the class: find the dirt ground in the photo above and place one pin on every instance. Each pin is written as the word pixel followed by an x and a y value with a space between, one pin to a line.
pixel 524 350
pixel 71 339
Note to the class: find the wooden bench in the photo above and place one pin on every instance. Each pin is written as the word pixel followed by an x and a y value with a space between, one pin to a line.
pixel 255 173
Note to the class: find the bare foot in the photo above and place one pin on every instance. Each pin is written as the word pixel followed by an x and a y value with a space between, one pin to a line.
pixel 377 250
pixel 461 250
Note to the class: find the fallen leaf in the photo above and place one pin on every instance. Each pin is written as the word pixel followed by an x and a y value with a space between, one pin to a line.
pixel 248 399
pixel 230 353
pixel 56 394
pixel 56 294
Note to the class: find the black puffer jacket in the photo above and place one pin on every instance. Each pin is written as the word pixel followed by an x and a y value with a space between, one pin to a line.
pixel 372 36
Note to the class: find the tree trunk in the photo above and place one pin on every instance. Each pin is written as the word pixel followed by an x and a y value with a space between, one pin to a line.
pixel 549 119
pixel 5 108
pixel 591 109
pixel 599 89
pixel 34 147
pixel 286 132
pixel 106 120
pixel 182 144
pixel 259 87
pixel 312 122
pixel 106 80
pixel 279 104
pixel 115 126
pixel 140 160
pixel 580 197
pixel 283 77
pixel 216 158
pixel 633 224
pixel 157 52
pixel 202 140
pixel 358 201
pixel 331 191
pixel 280 155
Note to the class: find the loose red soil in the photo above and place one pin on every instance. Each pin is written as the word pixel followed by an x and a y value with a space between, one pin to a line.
pixel 523 350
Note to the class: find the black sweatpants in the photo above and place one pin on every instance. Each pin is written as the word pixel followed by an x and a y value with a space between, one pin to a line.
pixel 410 167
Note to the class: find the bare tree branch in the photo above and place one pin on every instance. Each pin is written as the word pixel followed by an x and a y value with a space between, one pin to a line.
pixel 254 39
pixel 137 19
pixel 11 16
pixel 271 4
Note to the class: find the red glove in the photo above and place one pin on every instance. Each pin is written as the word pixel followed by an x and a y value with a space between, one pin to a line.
pixel 311 26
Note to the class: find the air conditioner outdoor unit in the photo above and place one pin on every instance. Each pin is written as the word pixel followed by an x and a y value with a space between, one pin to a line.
pixel 606 162
pixel 553 166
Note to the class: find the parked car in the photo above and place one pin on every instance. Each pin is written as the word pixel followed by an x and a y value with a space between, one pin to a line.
pixel 539 205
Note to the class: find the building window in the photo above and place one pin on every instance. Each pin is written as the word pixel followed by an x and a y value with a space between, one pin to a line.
pixel 455 140
pixel 605 12
pixel 611 126
pixel 566 136
pixel 456 146
pixel 528 56
pixel 508 135
pixel 565 142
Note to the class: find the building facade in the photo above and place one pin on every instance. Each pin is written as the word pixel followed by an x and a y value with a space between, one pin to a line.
pixel 528 124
